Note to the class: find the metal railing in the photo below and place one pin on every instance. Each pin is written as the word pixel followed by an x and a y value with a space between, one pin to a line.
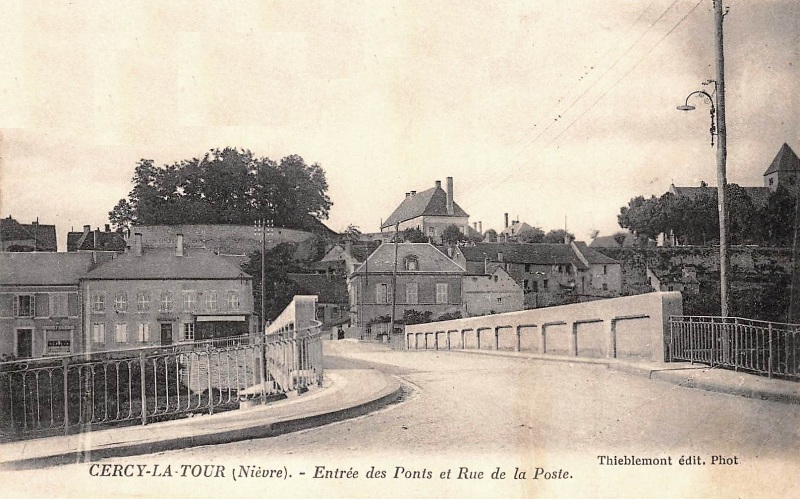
pixel 766 348
pixel 58 395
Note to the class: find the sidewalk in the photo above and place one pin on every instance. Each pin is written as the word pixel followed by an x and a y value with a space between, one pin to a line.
pixel 689 375
pixel 345 394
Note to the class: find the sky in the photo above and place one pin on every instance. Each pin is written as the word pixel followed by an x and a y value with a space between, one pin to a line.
pixel 550 111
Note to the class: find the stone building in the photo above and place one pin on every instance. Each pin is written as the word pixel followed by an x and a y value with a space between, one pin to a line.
pixel 429 211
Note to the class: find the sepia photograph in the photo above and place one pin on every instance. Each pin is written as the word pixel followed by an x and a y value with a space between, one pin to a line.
pixel 527 248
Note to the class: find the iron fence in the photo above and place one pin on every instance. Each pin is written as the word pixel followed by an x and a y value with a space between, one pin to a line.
pixel 766 348
pixel 47 396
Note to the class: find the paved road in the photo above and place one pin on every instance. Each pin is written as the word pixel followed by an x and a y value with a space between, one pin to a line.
pixel 481 412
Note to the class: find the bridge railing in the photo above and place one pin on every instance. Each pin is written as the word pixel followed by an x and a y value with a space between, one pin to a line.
pixel 631 326
pixel 59 395
pixel 766 348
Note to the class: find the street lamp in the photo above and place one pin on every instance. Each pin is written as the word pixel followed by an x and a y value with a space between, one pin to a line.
pixel 718 128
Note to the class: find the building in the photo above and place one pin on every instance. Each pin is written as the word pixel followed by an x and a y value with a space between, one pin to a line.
pixel 160 296
pixel 494 293
pixel 332 299
pixel 344 258
pixel 40 303
pixel 103 245
pixel 784 170
pixel 684 281
pixel 622 239
pixel 513 230
pixel 17 237
pixel 429 211
pixel 549 274
pixel 427 284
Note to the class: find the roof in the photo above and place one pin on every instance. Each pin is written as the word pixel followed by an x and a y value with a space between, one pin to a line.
pixel 515 228
pixel 758 195
pixel 432 202
pixel 106 241
pixel 45 269
pixel 592 256
pixel 44 235
pixel 785 161
pixel 163 264
pixel 430 260
pixel 329 289
pixel 525 253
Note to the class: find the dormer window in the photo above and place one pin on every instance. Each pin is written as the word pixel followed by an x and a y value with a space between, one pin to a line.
pixel 411 263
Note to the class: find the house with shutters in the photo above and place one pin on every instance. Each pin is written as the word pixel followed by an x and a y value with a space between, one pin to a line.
pixel 40 303
pixel 492 293
pixel 549 274
pixel 161 296
pixel 429 211
pixel 417 277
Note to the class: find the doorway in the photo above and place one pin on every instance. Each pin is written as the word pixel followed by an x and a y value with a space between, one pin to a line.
pixel 24 343
pixel 166 333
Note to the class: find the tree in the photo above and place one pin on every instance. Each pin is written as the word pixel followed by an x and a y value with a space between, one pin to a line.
pixel 532 235
pixel 278 288
pixel 557 236
pixel 452 235
pixel 643 216
pixel 776 218
pixel 352 233
pixel 414 235
pixel 226 186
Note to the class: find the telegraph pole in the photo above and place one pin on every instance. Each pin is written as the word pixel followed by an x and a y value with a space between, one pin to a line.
pixel 394 279
pixel 722 154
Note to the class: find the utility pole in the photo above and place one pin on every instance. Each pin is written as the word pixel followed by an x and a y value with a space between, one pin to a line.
pixel 394 279
pixel 263 226
pixel 722 154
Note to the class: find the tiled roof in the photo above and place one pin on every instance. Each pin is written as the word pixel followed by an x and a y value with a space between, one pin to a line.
pixel 515 228
pixel 329 289
pixel 785 161
pixel 532 253
pixel 43 268
pixel 430 260
pixel 44 235
pixel 432 202
pixel 592 256
pixel 611 242
pixel 163 264
pixel 106 241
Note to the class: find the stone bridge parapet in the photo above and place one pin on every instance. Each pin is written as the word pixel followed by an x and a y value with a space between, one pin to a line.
pixel 630 326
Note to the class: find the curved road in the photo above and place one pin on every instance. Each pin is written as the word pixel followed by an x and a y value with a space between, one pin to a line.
pixel 470 414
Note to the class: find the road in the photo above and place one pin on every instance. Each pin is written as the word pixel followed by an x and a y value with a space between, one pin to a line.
pixel 478 413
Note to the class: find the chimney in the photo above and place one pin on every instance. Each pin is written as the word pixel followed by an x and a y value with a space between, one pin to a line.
pixel 480 227
pixel 86 229
pixel 475 226
pixel 96 238
pixel 413 193
pixel 450 209
pixel 137 244
pixel 108 228
pixel 505 219
pixel 438 184
pixel 408 194
pixel 179 246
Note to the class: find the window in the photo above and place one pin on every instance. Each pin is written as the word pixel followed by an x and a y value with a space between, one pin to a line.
pixel 121 302
pixel 188 331
pixel 189 301
pixel 335 313
pixel 58 305
pixel 166 301
pixel 605 269
pixel 320 314
pixel 142 301
pixel 233 300
pixel 382 293
pixel 525 284
pixel 499 300
pixel 605 287
pixel 544 284
pixel 560 269
pixel 771 181
pixel 211 300
pixel 441 292
pixel 98 303
pixel 495 278
pixel 144 332
pixel 411 263
pixel 99 333
pixel 24 306
pixel 527 267
pixel 412 293
pixel 121 333
pixel 535 286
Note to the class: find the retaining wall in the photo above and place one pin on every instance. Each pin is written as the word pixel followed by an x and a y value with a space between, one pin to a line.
pixel 630 326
